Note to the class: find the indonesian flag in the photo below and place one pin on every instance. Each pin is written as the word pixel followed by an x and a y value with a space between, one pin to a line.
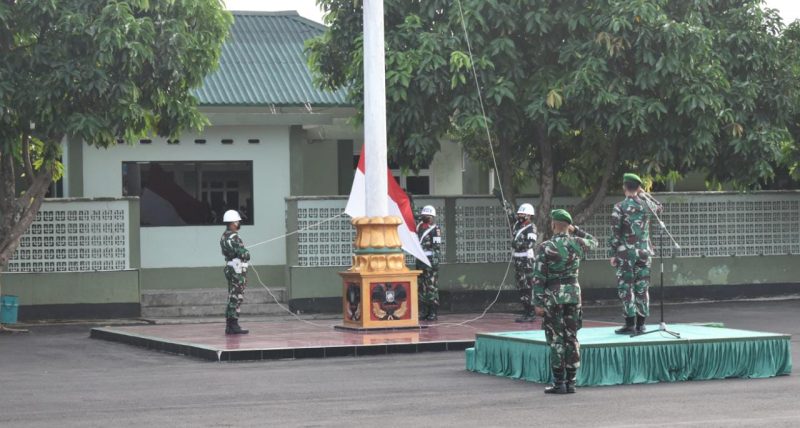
pixel 399 205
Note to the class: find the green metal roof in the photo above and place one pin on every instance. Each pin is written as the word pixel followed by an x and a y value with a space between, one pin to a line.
pixel 263 63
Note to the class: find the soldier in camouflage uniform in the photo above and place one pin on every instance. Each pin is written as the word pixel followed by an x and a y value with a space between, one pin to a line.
pixel 430 237
pixel 630 251
pixel 236 262
pixel 523 240
pixel 557 297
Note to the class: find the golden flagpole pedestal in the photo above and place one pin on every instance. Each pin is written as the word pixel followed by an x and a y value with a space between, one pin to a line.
pixel 379 292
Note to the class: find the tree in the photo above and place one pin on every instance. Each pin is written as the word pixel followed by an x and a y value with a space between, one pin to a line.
pixel 577 92
pixel 790 167
pixel 99 71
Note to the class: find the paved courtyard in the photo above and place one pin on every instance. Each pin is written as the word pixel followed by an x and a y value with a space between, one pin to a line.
pixel 56 376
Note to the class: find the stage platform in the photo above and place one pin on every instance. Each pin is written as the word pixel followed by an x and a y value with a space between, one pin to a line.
pixel 701 353
pixel 269 340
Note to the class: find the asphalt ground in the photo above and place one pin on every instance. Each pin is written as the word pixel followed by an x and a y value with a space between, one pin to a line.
pixel 57 376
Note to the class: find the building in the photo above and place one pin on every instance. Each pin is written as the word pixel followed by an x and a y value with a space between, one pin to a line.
pixel 283 153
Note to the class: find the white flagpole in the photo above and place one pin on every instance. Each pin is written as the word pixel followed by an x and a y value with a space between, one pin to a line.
pixel 375 110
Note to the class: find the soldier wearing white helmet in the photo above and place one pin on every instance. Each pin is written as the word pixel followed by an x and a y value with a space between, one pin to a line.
pixel 430 237
pixel 523 240
pixel 236 262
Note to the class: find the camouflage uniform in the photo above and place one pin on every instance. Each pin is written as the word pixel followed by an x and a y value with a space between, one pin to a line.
pixel 630 245
pixel 522 243
pixel 430 237
pixel 557 291
pixel 233 248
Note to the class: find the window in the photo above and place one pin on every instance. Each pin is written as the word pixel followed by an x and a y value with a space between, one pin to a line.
pixel 189 193
pixel 415 184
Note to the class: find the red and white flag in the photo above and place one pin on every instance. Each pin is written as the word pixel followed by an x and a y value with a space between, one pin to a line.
pixel 399 205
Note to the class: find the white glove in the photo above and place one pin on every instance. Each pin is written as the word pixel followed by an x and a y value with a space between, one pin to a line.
pixel 236 264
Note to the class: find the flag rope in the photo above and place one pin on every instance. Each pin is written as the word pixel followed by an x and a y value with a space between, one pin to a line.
pixel 297 231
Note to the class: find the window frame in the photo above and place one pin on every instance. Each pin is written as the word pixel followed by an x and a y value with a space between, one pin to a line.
pixel 200 188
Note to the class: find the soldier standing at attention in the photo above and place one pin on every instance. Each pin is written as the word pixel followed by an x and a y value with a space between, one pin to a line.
pixel 631 252
pixel 430 237
pixel 557 297
pixel 523 240
pixel 236 258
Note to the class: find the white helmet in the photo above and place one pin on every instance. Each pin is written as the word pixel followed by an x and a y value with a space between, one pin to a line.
pixel 526 209
pixel 428 210
pixel 231 216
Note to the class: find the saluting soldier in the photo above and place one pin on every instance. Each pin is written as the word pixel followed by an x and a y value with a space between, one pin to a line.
pixel 557 296
pixel 631 252
pixel 430 238
pixel 523 241
pixel 236 262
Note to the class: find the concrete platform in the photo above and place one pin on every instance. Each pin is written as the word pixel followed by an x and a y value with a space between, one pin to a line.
pixel 271 340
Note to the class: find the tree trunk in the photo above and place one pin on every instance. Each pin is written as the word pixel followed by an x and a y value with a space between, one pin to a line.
pixel 546 182
pixel 17 213
pixel 28 206
pixel 587 207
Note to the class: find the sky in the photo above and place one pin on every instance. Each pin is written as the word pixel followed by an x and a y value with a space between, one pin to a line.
pixel 789 9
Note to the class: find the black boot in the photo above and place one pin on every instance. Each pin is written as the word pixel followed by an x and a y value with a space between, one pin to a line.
pixel 527 315
pixel 628 328
pixel 432 316
pixel 640 327
pixel 559 386
pixel 570 380
pixel 235 328
pixel 424 312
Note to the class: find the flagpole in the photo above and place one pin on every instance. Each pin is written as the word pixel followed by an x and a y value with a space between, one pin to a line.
pixel 379 291
pixel 375 110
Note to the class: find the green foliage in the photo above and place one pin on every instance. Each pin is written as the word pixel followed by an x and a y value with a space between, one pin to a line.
pixel 672 86
pixel 104 71
pixel 101 71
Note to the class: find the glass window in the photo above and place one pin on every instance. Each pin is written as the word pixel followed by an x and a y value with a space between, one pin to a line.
pixel 419 185
pixel 189 193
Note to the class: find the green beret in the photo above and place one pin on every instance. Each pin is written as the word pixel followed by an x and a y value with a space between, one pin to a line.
pixel 561 215
pixel 629 176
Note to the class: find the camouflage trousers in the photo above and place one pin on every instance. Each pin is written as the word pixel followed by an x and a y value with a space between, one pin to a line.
pixel 428 284
pixel 561 325
pixel 523 275
pixel 633 283
pixel 237 282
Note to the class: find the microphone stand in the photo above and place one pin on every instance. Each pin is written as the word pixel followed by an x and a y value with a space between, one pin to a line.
pixel 662 326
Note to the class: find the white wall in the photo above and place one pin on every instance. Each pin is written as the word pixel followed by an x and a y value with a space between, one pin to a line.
pixel 193 246
pixel 446 167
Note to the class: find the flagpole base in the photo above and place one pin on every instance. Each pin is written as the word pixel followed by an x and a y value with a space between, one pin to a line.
pixel 379 291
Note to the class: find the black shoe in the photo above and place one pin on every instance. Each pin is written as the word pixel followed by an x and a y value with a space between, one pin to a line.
pixel 558 387
pixel 424 313
pixel 235 328
pixel 570 382
pixel 640 327
pixel 526 317
pixel 432 316
pixel 628 328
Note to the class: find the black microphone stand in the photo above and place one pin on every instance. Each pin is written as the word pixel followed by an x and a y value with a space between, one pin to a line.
pixel 662 326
